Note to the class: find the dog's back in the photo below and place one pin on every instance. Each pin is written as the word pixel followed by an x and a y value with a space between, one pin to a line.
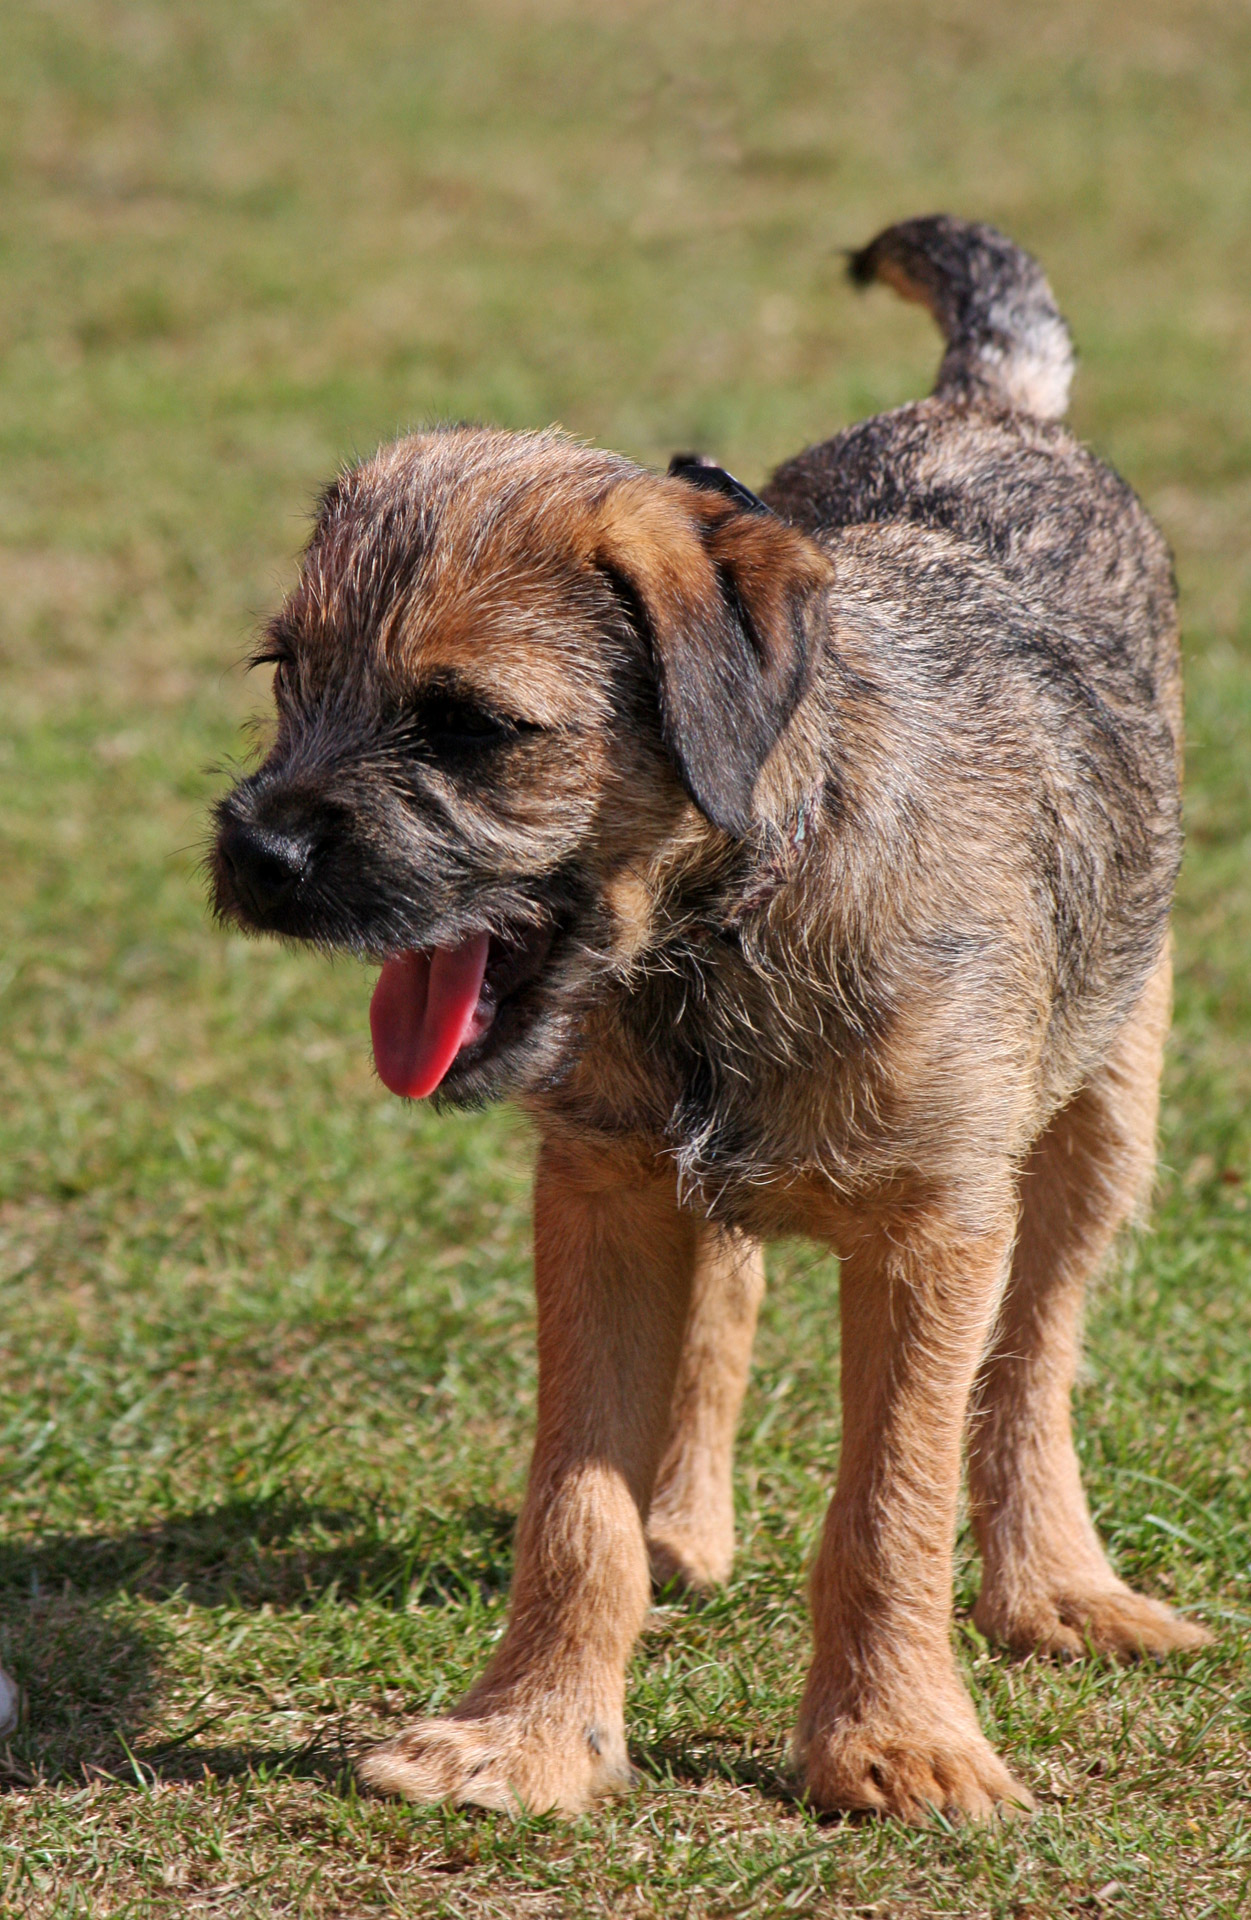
pixel 985 460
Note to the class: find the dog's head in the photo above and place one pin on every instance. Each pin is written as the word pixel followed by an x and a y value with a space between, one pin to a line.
pixel 512 673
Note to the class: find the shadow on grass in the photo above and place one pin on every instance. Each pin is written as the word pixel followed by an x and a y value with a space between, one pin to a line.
pixel 702 1762
pixel 186 1762
pixel 277 1553
pixel 86 1719
pixel 90 1670
pixel 86 1679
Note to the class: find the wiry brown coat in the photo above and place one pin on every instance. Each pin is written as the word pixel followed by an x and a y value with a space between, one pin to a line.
pixel 826 842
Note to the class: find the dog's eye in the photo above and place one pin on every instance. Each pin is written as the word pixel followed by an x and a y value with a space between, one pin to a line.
pixel 277 644
pixel 270 653
pixel 453 724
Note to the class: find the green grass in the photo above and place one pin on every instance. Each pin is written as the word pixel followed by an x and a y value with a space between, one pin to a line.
pixel 267 1356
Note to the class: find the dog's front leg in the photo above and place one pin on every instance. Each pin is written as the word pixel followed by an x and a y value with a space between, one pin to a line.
pixel 886 1722
pixel 544 1726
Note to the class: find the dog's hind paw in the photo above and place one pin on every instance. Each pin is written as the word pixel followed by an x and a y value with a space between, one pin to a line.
pixel 690 1558
pixel 499 1760
pixel 1071 1621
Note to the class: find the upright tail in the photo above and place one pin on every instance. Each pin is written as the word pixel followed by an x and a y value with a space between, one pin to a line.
pixel 1007 345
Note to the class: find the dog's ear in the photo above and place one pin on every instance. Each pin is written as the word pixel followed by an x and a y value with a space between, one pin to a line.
pixel 699 471
pixel 727 597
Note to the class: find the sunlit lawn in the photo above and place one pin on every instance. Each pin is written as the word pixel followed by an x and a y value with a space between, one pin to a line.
pixel 267 1368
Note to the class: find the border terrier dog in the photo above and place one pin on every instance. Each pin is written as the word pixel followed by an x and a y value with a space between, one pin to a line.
pixel 802 862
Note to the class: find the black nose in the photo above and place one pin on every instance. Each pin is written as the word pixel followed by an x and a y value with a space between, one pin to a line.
pixel 264 867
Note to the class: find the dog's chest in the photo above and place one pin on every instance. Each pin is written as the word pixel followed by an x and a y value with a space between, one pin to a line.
pixel 753 1086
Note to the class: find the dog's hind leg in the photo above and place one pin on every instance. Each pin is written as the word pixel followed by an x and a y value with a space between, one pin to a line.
pixel 690 1529
pixel 544 1726
pixel 1046 1581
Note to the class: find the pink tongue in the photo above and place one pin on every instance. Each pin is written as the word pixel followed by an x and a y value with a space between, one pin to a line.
pixel 422 1014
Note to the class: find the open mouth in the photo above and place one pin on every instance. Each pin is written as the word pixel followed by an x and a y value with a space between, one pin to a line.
pixel 445 1007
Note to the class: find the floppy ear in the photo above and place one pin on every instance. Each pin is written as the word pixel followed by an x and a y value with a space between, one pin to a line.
pixel 727 596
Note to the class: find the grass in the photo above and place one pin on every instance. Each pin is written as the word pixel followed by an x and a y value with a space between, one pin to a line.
pixel 267 1370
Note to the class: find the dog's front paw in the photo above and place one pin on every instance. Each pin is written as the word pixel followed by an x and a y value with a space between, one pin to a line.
pixel 508 1760
pixel 1070 1618
pixel 906 1762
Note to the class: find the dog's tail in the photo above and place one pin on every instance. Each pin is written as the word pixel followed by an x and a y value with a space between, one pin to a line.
pixel 1007 345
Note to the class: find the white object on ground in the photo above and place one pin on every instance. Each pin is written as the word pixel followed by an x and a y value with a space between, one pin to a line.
pixel 10 1703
